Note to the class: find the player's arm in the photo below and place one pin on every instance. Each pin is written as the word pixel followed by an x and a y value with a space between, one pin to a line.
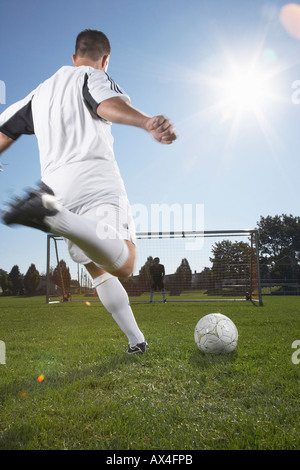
pixel 15 121
pixel 119 111
pixel 5 142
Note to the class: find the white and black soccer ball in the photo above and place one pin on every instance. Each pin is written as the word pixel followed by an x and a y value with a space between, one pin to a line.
pixel 216 334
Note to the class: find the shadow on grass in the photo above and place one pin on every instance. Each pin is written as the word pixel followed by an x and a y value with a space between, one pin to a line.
pixel 27 393
pixel 201 360
pixel 60 378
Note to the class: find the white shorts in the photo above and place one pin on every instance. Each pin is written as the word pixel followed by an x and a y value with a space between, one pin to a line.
pixel 118 216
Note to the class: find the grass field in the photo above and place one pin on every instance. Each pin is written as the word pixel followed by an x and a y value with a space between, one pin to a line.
pixel 94 396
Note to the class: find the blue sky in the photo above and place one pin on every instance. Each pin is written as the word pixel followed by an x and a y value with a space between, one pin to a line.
pixel 175 58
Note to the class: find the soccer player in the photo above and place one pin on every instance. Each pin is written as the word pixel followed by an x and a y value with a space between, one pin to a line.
pixel 157 273
pixel 82 195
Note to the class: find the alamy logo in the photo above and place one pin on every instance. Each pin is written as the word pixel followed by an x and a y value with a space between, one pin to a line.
pixel 2 353
pixel 158 218
pixel 296 354
pixel 2 92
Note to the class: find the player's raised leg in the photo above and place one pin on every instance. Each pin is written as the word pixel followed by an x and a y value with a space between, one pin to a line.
pixel 41 210
pixel 112 253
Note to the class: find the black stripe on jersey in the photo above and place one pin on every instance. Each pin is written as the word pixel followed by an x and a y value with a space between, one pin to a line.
pixel 89 100
pixel 20 123
pixel 113 85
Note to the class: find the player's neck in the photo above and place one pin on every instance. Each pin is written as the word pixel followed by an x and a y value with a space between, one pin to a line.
pixel 100 64
pixel 88 63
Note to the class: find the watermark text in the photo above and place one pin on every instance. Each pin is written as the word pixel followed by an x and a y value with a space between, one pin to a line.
pixel 156 218
pixel 2 92
pixel 296 354
pixel 2 353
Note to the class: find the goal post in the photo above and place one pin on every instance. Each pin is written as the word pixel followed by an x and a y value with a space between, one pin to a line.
pixel 198 267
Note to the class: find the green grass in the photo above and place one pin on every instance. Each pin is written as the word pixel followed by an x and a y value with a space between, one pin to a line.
pixel 184 295
pixel 94 396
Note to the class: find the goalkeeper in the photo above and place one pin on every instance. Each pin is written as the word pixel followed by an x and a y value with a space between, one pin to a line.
pixel 157 273
pixel 82 195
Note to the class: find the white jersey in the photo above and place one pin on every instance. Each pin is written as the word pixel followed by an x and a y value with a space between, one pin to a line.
pixel 75 145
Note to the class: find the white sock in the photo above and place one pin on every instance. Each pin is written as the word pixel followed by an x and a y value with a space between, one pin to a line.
pixel 85 233
pixel 115 299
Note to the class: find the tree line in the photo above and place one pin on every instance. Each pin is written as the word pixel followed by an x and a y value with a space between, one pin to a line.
pixel 15 283
pixel 279 248
pixel 231 263
pixel 279 256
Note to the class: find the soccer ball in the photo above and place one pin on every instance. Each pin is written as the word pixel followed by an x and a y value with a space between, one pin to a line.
pixel 216 334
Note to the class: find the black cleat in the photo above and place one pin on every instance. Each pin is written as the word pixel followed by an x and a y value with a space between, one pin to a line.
pixel 31 210
pixel 140 348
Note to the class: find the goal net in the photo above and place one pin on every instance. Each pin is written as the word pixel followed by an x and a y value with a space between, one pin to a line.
pixel 197 266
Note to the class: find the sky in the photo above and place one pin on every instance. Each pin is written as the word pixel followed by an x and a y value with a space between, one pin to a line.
pixel 225 72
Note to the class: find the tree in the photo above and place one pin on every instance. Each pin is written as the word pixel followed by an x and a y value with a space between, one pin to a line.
pixel 61 276
pixel 144 275
pixel 230 260
pixel 231 267
pixel 183 275
pixel 279 236
pixel 4 282
pixel 16 280
pixel 31 280
pixel 279 246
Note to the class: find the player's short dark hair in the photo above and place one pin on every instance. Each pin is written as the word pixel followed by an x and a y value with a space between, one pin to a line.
pixel 92 44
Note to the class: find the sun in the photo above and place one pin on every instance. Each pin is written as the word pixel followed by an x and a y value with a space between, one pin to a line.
pixel 244 92
pixel 245 89
pixel 245 96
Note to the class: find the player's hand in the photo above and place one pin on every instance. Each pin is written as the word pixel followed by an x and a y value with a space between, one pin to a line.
pixel 161 129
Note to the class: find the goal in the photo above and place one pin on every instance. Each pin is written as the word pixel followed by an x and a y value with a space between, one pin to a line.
pixel 199 266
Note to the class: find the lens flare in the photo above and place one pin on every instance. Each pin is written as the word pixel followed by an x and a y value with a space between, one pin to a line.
pixel 290 19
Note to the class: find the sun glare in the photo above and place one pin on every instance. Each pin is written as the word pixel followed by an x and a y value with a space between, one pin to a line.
pixel 244 97
pixel 244 89
pixel 247 92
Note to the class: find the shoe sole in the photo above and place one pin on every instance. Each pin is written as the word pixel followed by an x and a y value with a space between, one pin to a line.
pixel 31 213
